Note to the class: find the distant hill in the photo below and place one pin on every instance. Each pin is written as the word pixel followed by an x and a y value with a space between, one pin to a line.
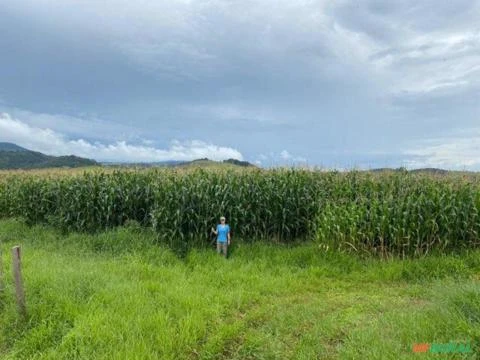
pixel 432 171
pixel 5 146
pixel 205 162
pixel 238 162
pixel 15 157
pixel 168 163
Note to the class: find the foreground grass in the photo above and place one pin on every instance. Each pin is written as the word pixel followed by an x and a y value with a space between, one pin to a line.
pixel 118 295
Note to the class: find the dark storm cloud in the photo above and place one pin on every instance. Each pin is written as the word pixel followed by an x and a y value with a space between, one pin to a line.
pixel 332 82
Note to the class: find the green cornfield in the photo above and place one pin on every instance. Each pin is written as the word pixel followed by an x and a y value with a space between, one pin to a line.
pixel 390 213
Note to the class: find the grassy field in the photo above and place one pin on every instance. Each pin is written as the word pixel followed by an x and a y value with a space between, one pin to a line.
pixel 105 296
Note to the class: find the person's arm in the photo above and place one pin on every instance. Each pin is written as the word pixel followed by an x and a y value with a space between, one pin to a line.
pixel 214 231
pixel 228 235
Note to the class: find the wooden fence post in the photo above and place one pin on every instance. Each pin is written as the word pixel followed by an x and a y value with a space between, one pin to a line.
pixel 2 285
pixel 17 274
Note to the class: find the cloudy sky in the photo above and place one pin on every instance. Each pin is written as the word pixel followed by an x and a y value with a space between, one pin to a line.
pixel 347 83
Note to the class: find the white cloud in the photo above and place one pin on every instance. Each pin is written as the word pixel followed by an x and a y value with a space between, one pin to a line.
pixel 426 63
pixel 51 142
pixel 81 126
pixel 285 155
pixel 458 152
pixel 412 46
pixel 282 158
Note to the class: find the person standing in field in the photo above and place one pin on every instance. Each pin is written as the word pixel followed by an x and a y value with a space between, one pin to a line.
pixel 223 236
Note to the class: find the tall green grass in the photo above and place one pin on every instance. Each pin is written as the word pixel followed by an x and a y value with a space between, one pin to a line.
pixel 119 295
pixel 396 213
pixel 404 214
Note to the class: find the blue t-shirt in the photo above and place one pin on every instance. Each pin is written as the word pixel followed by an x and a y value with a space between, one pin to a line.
pixel 222 230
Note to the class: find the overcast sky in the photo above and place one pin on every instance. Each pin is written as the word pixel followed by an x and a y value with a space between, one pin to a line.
pixel 331 83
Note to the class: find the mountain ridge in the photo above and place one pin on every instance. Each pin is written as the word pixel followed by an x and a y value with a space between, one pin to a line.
pixel 7 146
pixel 13 156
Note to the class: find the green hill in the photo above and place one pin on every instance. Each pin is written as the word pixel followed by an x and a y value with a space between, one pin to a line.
pixel 205 162
pixel 15 157
pixel 4 146
pixel 198 163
